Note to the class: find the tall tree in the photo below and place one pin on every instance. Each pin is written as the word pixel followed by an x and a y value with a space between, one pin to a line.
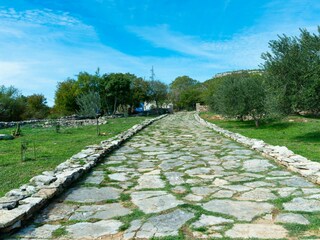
pixel 36 107
pixel 12 104
pixel 182 89
pixel 117 87
pixel 293 70
pixel 65 97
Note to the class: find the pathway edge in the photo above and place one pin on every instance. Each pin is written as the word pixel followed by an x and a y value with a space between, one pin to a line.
pixel 281 154
pixel 18 205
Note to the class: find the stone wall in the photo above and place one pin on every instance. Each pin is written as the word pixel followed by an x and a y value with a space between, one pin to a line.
pixel 51 123
pixel 201 108
pixel 18 205
pixel 281 154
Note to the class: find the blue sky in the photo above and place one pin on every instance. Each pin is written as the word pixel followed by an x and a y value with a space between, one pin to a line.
pixel 43 42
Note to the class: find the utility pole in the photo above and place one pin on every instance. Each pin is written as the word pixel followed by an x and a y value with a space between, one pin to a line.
pixel 152 74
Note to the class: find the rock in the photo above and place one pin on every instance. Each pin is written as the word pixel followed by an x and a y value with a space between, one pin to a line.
pixel 257 165
pixel 203 191
pixel 93 230
pixel 164 225
pixel 120 177
pixel 150 181
pixel 92 194
pixel 296 182
pixel 198 171
pixel 43 179
pixel 303 205
pixel 55 212
pixel 269 231
pixel 291 218
pixel 206 221
pixel 223 194
pixel 154 201
pixel 33 232
pixel 94 179
pixel 242 210
pixel 258 194
pixel 174 178
pixel 193 198
pixel 179 190
pixel 105 211
pixel 6 137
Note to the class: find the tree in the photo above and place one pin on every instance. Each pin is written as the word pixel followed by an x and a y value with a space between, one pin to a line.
pixel 89 104
pixel 293 69
pixel 12 104
pixel 242 95
pixel 117 87
pixel 36 107
pixel 158 92
pixel 139 91
pixel 182 90
pixel 65 97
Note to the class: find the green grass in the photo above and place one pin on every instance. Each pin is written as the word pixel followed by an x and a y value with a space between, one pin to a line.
pixel 299 134
pixel 59 232
pixel 51 149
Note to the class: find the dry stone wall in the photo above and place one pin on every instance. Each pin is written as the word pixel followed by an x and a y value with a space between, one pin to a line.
pixel 18 205
pixel 281 154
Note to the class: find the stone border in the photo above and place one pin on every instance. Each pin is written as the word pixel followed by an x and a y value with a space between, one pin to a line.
pixel 18 205
pixel 282 155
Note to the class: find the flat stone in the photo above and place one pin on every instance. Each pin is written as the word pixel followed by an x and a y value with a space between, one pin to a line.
pixel 291 218
pixel 170 164
pixel 257 165
pixel 131 231
pixel 237 188
pixel 105 211
pixel 120 177
pixel 258 194
pixel 193 198
pixel 179 190
pixel 257 184
pixel 286 191
pixel 303 205
pixel 269 231
pixel 84 230
pixel 33 232
pixel 164 225
pixel 6 137
pixel 242 210
pixel 150 181
pixel 279 173
pixel 198 171
pixel 174 178
pixel 223 194
pixel 92 194
pixel 206 221
pixel 56 212
pixel 94 179
pixel 297 182
pixel 154 201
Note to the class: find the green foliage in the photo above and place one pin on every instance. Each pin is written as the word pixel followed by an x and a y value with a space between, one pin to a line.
pixel 12 104
pixel 65 97
pixel 158 92
pixel 293 68
pixel 185 93
pixel 36 107
pixel 117 86
pixel 242 95
pixel 139 91
pixel 89 104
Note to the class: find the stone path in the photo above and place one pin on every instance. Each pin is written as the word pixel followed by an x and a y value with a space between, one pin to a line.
pixel 181 180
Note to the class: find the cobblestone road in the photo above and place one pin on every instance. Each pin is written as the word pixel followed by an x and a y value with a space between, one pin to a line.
pixel 180 180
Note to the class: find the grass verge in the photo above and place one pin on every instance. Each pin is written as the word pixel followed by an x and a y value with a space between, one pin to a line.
pixel 299 134
pixel 51 149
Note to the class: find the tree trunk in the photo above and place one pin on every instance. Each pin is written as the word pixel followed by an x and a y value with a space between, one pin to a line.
pixel 115 106
pixel 256 121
